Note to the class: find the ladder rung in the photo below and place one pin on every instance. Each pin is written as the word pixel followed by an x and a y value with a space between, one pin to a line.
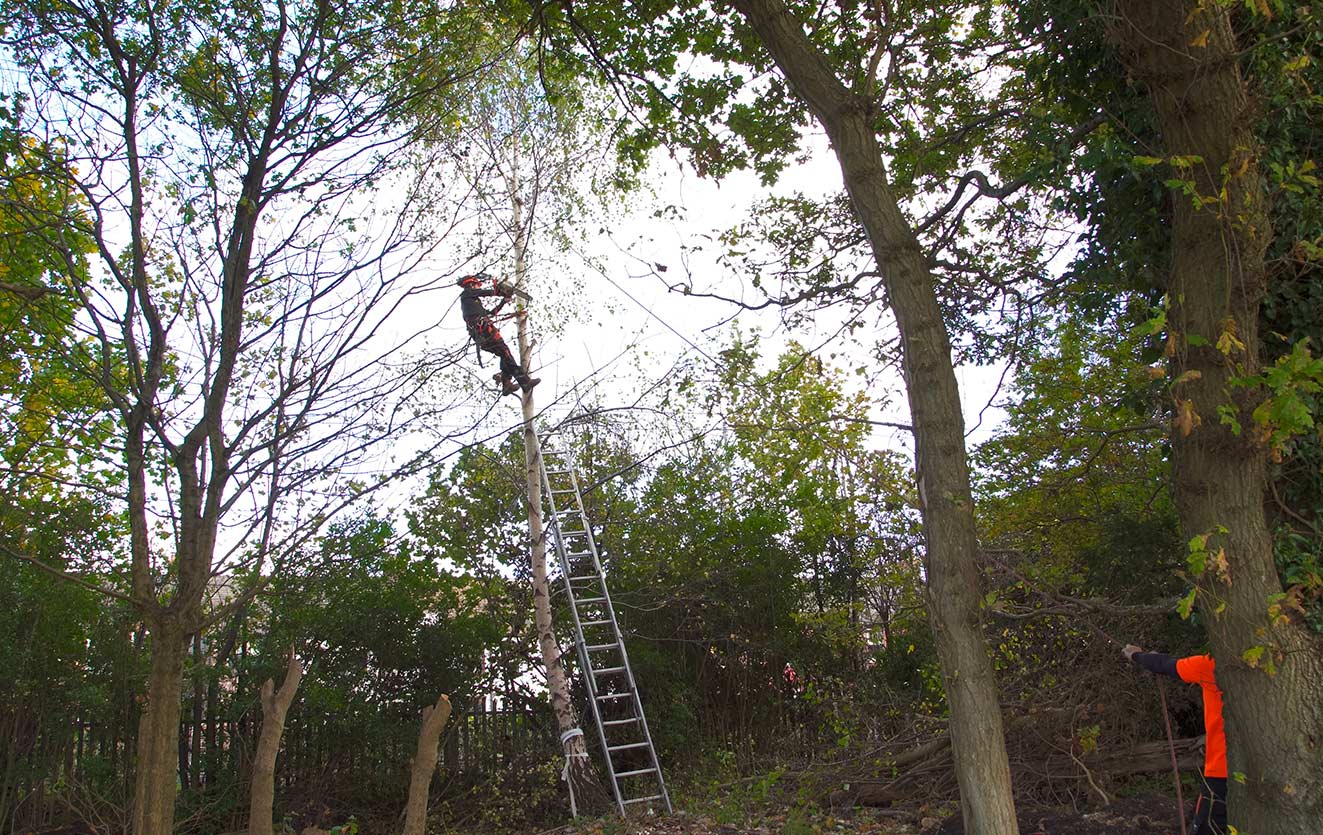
pixel 606 671
pixel 611 697
pixel 611 723
pixel 614 748
pixel 599 647
pixel 583 577
pixel 621 774
pixel 594 622
pixel 643 799
pixel 587 600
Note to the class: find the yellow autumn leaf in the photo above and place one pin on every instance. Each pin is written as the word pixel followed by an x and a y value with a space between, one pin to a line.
pixel 1201 41
pixel 1228 341
pixel 1297 64
pixel 1252 655
pixel 1221 569
pixel 1186 419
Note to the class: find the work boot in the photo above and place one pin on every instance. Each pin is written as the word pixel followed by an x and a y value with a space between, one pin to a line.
pixel 528 383
pixel 508 386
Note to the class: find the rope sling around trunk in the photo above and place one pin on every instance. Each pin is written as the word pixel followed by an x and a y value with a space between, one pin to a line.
pixel 565 772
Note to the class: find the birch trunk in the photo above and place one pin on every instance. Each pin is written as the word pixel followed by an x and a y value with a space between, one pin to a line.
pixel 977 741
pixel 583 783
pixel 1186 53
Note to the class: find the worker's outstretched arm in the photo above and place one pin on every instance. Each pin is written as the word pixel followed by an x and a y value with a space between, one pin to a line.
pixel 1154 662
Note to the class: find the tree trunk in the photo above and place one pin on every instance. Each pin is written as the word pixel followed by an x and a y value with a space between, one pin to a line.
pixel 585 788
pixel 275 704
pixel 1187 55
pixel 158 731
pixel 199 694
pixel 977 740
pixel 227 645
pixel 424 764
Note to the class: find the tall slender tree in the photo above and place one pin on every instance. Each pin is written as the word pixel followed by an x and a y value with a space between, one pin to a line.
pixel 530 140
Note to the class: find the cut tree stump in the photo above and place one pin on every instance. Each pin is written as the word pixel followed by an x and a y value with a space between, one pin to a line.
pixel 424 764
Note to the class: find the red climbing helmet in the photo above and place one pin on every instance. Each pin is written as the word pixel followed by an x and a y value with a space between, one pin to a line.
pixel 472 281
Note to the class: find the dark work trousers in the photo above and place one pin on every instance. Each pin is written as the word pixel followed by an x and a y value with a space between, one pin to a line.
pixel 1210 810
pixel 488 338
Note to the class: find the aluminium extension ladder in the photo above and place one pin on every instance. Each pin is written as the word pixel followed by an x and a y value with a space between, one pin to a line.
pixel 631 759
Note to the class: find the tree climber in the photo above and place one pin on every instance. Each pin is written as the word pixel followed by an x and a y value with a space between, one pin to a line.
pixel 1210 810
pixel 481 326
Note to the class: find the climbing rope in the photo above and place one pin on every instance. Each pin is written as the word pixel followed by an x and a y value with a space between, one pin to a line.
pixel 1171 744
pixel 565 772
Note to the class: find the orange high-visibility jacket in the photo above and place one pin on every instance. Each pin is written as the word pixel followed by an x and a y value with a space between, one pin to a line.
pixel 1198 669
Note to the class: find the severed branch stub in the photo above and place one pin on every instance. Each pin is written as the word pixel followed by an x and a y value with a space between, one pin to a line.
pixel 424 763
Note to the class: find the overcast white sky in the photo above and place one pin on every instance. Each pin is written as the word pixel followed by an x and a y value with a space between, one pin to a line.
pixel 620 329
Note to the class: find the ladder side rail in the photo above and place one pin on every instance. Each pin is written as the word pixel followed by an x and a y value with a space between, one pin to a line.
pixel 581 643
pixel 620 642
pixel 561 556
pixel 597 566
pixel 553 521
pixel 583 514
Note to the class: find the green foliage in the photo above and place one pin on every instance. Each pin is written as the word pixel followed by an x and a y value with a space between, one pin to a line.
pixel 1301 566
pixel 1077 480
pixel 782 542
pixel 53 421
pixel 382 631
pixel 1114 185
pixel 1288 79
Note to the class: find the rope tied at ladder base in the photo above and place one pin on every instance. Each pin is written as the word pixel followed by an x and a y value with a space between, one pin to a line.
pixel 565 772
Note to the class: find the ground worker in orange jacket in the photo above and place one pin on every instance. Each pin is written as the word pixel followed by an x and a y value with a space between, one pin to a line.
pixel 1210 810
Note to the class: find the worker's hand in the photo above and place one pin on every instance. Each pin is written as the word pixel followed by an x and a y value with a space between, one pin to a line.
pixel 1129 650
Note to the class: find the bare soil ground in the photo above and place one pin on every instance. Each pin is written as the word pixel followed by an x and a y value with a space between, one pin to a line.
pixel 1146 815
pixel 1142 815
